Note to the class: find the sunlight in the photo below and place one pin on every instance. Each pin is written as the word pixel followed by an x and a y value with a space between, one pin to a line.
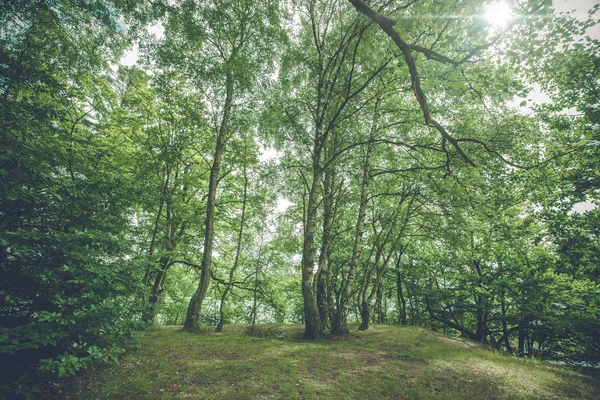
pixel 498 14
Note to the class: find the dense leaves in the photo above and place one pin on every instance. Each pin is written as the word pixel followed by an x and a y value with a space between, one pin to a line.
pixel 66 193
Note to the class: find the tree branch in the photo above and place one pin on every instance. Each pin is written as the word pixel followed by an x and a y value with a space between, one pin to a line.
pixel 387 25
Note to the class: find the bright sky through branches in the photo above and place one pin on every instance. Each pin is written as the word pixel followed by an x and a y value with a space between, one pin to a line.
pixel 498 14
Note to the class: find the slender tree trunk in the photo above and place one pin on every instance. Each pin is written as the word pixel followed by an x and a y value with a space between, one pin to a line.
pixel 219 327
pixel 330 298
pixel 152 246
pixel 380 273
pixel 238 250
pixel 522 335
pixel 322 270
pixel 322 299
pixel 481 314
pixel 162 197
pixel 481 303
pixel 157 289
pixel 254 299
pixel 313 325
pixel 361 295
pixel 505 333
pixel 413 313
pixel 378 303
pixel 363 303
pixel 172 237
pixel 340 324
pixel 400 294
pixel 195 306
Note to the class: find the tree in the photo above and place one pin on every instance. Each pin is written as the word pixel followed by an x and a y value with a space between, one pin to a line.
pixel 65 193
pixel 328 83
pixel 227 42
pixel 238 249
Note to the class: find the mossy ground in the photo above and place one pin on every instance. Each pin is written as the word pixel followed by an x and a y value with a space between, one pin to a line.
pixel 385 362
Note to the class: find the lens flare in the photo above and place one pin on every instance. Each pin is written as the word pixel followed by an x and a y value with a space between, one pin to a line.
pixel 498 14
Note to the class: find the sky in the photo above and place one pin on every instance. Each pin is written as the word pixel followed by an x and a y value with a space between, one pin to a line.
pixel 580 8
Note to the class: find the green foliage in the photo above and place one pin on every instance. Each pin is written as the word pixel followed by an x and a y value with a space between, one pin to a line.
pixel 173 303
pixel 66 297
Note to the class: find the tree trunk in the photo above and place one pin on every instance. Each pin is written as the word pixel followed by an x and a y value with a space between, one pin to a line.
pixel 238 250
pixel 322 299
pixel 157 289
pixel 330 298
pixel 162 197
pixel 313 325
pixel 378 303
pixel 152 245
pixel 219 327
pixel 401 299
pixel 195 306
pixel 365 315
pixel 481 333
pixel 255 299
pixel 522 334
pixel 339 324
pixel 379 275
pixel 505 332
pixel 321 277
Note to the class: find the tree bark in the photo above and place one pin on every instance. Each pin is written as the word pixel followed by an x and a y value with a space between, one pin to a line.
pixel 238 249
pixel 162 197
pixel 366 302
pixel 329 112
pixel 255 297
pixel 156 290
pixel 400 294
pixel 365 315
pixel 522 337
pixel 378 303
pixel 322 302
pixel 195 306
pixel 322 278
pixel 313 325
pixel 339 324
pixel 505 332
pixel 174 233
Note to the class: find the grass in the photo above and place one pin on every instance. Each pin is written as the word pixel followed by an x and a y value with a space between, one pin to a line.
pixel 385 362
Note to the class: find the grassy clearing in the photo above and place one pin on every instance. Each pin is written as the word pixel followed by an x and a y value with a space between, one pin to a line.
pixel 383 363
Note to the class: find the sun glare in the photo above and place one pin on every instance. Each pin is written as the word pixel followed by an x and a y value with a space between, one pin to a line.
pixel 498 14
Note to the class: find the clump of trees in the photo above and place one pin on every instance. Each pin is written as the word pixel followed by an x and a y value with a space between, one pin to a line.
pixel 416 190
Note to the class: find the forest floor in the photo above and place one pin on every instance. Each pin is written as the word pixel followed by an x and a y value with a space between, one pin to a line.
pixel 385 362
